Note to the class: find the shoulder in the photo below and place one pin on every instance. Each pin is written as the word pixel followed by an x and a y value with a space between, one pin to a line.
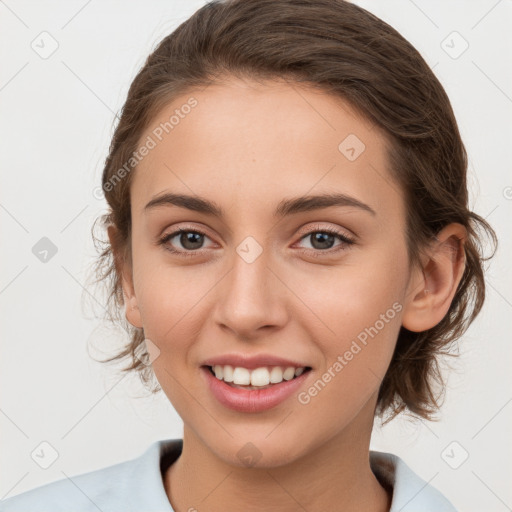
pixel 132 485
pixel 88 491
pixel 410 492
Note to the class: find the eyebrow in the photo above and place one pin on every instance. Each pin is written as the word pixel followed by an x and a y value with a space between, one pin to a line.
pixel 285 207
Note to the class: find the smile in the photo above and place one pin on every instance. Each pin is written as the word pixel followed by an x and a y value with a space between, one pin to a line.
pixel 258 378
pixel 253 398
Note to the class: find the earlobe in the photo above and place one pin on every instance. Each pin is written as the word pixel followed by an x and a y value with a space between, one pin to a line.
pixel 133 316
pixel 433 287
pixel 132 313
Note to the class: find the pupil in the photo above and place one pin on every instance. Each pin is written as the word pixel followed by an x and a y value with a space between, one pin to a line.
pixel 191 240
pixel 325 240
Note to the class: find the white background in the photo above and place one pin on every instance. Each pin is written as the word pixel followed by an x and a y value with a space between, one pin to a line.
pixel 56 120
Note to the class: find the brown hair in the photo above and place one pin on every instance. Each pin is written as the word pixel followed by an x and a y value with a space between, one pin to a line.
pixel 348 52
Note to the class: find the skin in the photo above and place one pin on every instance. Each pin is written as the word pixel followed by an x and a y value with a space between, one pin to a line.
pixel 246 146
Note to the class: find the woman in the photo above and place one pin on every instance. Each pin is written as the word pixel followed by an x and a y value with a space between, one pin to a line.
pixel 291 245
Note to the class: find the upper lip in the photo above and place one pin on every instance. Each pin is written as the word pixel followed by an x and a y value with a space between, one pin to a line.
pixel 252 361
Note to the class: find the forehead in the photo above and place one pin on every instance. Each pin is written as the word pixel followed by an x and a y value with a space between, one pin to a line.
pixel 256 143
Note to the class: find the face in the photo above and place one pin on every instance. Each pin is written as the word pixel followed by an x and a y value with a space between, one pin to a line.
pixel 321 287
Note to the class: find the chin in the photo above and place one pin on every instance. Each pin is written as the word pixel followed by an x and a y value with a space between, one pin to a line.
pixel 257 452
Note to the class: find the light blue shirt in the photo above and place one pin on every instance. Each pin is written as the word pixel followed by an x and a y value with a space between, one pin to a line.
pixel 137 485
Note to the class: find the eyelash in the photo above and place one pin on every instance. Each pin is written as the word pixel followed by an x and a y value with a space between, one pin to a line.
pixel 346 241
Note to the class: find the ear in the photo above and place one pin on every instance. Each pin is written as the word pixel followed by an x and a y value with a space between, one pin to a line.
pixel 432 288
pixel 124 270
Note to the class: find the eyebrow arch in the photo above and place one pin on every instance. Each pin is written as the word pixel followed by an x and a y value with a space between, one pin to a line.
pixel 286 207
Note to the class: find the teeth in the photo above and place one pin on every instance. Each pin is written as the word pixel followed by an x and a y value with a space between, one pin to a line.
pixel 276 375
pixel 289 373
pixel 218 371
pixel 259 377
pixel 241 376
pixel 227 372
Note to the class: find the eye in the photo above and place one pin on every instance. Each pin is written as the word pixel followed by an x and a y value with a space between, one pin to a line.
pixel 190 239
pixel 322 240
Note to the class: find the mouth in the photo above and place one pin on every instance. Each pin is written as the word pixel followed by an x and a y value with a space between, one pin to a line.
pixel 253 390
pixel 260 378
pixel 253 383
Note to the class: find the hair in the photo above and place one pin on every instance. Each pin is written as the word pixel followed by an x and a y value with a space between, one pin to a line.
pixel 345 51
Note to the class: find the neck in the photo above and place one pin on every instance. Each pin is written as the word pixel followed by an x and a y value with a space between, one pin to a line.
pixel 337 472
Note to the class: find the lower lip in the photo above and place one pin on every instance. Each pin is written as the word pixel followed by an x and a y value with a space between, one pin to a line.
pixel 252 400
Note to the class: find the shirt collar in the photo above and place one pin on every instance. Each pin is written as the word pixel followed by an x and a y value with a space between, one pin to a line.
pixel 410 492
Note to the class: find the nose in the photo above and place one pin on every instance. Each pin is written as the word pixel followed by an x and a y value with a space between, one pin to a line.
pixel 251 301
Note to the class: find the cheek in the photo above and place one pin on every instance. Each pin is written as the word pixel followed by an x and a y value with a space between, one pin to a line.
pixel 356 359
pixel 171 314
pixel 356 323
pixel 349 298
pixel 170 300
